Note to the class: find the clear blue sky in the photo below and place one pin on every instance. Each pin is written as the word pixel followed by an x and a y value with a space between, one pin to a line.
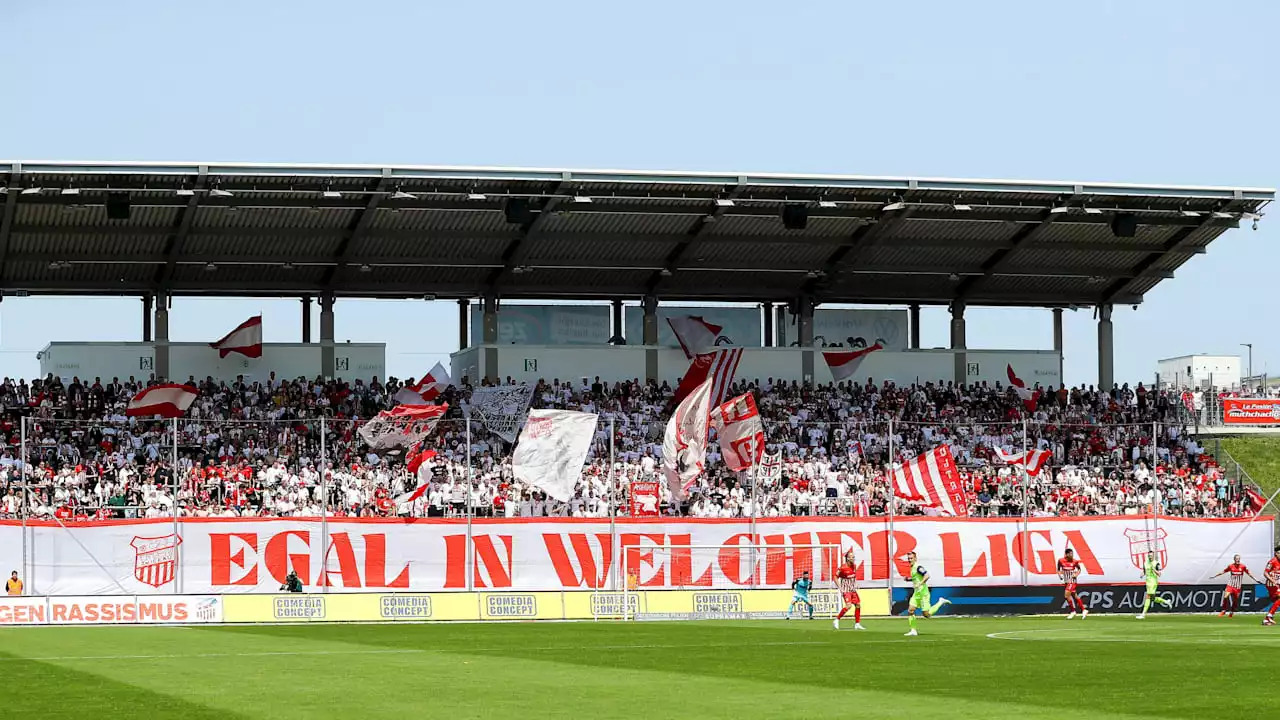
pixel 1143 91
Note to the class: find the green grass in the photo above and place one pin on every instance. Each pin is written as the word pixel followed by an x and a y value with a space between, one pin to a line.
pixel 1259 455
pixel 1103 667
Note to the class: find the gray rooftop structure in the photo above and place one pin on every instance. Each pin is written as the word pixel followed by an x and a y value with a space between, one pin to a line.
pixel 458 232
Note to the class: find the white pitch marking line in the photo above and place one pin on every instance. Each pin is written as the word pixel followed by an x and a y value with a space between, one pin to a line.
pixel 1172 639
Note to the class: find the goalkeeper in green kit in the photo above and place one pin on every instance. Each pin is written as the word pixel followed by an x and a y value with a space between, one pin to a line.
pixel 919 578
pixel 1151 572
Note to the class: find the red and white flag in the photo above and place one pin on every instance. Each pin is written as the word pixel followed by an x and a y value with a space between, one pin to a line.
pixel 401 426
pixel 844 363
pixel 1032 460
pixel 684 447
pixel 932 480
pixel 740 431
pixel 425 390
pixel 644 499
pixel 169 401
pixel 1027 394
pixel 246 339
pixel 719 367
pixel 695 335
pixel 423 474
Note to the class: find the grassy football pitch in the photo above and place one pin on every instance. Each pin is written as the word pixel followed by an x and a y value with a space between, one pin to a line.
pixel 1102 667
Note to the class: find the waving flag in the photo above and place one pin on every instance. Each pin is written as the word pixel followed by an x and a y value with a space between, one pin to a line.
pixel 168 401
pixel 844 363
pixel 421 472
pixel 552 449
pixel 695 335
pixel 425 390
pixel 1028 395
pixel 719 368
pixel 1032 460
pixel 684 447
pixel 771 466
pixel 401 426
pixel 246 339
pixel 740 431
pixel 932 480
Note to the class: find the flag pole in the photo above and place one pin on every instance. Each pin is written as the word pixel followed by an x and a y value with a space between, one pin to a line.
pixel 1026 504
pixel 892 494
pixel 1155 460
pixel 174 507
pixel 26 502
pixel 755 540
pixel 324 502
pixel 613 509
pixel 470 559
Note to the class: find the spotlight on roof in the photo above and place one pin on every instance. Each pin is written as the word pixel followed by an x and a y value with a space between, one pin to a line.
pixel 332 194
pixel 186 192
pixel 724 202
pixel 1222 215
pixel 219 192
pixel 210 267
pixel 828 204
pixel 1190 213
pixel 895 205
pixel 365 268
pixel 961 207
pixel 70 191
pixel 477 196
pixel 1092 211
pixel 1059 209
pixel 32 190
pixel 581 200
pixel 402 195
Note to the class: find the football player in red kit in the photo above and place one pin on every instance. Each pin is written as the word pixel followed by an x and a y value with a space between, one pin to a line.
pixel 1069 571
pixel 1235 573
pixel 847 577
pixel 1271 574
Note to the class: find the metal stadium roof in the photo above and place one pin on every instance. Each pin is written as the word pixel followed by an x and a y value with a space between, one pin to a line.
pixel 372 231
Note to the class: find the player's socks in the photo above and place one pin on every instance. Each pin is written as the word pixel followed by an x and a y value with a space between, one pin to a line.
pixel 842 612
pixel 857 615
pixel 1274 606
pixel 1146 604
pixel 911 620
pixel 1162 602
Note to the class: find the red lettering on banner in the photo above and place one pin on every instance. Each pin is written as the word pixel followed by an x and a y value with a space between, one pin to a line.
pixel 953 558
pixel 634 555
pixel 730 560
pixel 26 613
pixel 484 554
pixel 1084 554
pixel 682 569
pixel 784 561
pixel 583 551
pixel 1041 562
pixel 221 559
pixel 280 561
pixel 903 543
pixel 375 564
pixel 340 547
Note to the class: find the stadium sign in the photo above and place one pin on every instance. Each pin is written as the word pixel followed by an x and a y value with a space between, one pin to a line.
pixel 1261 411
pixel 1126 599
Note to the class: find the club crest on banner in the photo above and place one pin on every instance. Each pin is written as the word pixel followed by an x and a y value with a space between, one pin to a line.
pixel 155 559
pixel 1143 541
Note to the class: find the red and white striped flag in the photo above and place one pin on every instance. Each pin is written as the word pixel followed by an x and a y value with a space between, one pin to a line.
pixel 1028 395
pixel 169 401
pixel 1031 460
pixel 740 432
pixel 844 363
pixel 719 367
pixel 695 335
pixel 422 474
pixel 932 480
pixel 684 446
pixel 246 339
pixel 425 390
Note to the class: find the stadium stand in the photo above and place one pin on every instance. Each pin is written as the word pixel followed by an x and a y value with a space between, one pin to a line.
pixel 254 449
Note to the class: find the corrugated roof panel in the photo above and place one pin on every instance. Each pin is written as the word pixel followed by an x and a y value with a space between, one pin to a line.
pixel 430 248
pixel 266 218
pixel 65 246
pixel 549 248
pixel 600 222
pixel 453 220
pixel 908 255
pixel 781 256
pixel 954 229
pixel 286 246
pixel 1031 258
pixel 29 214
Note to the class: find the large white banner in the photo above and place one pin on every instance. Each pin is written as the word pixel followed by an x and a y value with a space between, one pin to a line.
pixel 212 556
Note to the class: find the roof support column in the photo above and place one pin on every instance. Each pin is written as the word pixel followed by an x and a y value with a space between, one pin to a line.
pixel 650 305
pixel 1106 350
pixel 1057 339
pixel 146 318
pixel 490 327
pixel 327 365
pixel 162 336
pixel 768 324
pixel 958 343
pixel 618 336
pixel 915 327
pixel 464 323
pixel 306 318
pixel 804 328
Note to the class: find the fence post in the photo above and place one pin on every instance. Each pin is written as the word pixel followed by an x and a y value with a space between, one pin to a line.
pixel 27 563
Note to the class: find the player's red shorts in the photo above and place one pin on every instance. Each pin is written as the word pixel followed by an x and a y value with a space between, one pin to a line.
pixel 1273 592
pixel 851 598
pixel 1072 587
pixel 1234 590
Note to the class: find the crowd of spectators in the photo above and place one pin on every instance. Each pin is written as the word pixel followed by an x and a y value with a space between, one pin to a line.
pixel 255 449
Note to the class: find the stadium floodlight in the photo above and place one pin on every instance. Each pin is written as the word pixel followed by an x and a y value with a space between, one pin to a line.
pixel 402 195
pixel 1059 209
pixel 186 192
pixel 32 190
pixel 961 207
pixel 332 194
pixel 724 202
pixel 1190 213
pixel 895 205
pixel 4 189
pixel 581 200
pixel 365 269
pixel 1092 211
pixel 477 196
pixel 828 204
pixel 1222 215
pixel 219 192
pixel 210 267
pixel 70 191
